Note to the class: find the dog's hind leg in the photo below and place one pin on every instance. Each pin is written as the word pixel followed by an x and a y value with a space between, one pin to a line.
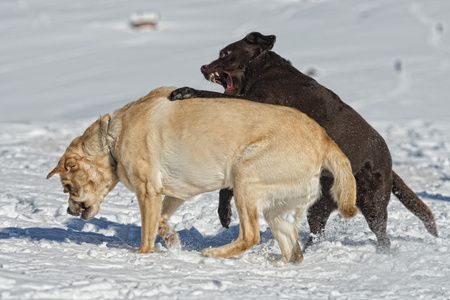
pixel 320 211
pixel 246 205
pixel 169 206
pixel 286 235
pixel 373 196
pixel 376 218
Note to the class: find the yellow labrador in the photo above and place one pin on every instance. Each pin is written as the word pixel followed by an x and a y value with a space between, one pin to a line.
pixel 272 157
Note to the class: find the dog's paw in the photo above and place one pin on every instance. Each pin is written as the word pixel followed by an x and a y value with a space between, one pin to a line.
pixel 277 263
pixel 215 252
pixel 209 252
pixel 145 249
pixel 168 234
pixel 171 238
pixel 183 93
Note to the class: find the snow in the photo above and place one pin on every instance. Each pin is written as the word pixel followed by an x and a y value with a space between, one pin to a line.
pixel 63 63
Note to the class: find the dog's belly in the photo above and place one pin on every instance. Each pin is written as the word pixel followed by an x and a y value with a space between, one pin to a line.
pixel 185 190
pixel 188 180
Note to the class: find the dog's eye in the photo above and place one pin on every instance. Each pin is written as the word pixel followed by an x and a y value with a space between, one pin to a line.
pixel 224 53
pixel 67 188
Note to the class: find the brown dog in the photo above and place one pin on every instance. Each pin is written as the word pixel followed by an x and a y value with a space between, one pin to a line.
pixel 247 69
pixel 271 156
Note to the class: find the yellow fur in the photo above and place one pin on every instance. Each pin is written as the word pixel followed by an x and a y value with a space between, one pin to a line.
pixel 272 156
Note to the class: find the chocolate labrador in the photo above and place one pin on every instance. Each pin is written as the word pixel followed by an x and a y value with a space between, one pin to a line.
pixel 247 69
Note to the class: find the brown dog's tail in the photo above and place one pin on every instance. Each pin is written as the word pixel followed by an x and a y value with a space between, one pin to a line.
pixel 344 185
pixel 413 203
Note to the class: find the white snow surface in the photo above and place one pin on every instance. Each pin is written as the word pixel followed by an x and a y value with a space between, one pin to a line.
pixel 63 63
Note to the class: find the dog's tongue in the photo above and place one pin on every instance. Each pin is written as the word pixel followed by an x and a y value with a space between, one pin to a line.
pixel 229 88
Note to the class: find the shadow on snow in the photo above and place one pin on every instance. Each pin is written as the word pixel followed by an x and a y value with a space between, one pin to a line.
pixel 439 197
pixel 128 236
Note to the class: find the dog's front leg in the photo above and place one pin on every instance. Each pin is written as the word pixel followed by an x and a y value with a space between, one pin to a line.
pixel 150 206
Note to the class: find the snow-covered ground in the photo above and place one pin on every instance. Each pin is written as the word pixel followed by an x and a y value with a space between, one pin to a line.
pixel 63 63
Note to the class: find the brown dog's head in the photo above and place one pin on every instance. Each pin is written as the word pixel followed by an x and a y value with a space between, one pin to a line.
pixel 229 69
pixel 86 172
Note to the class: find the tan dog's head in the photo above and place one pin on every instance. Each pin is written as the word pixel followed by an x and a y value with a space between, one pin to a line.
pixel 87 171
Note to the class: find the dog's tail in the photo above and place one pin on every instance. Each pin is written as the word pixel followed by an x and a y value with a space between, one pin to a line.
pixel 413 203
pixel 344 185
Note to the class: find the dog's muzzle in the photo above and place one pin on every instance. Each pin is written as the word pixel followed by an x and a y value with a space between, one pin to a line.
pixel 80 209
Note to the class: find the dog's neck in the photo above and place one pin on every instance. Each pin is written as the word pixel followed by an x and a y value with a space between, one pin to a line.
pixel 110 141
pixel 111 154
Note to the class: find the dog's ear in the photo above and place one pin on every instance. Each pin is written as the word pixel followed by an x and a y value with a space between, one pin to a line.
pixel 71 164
pixel 64 166
pixel 104 121
pixel 265 40
pixel 60 168
pixel 105 138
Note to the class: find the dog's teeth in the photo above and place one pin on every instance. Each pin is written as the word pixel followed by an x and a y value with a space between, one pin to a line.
pixel 217 74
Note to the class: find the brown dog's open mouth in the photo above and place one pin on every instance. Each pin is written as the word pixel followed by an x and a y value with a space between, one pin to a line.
pixel 224 79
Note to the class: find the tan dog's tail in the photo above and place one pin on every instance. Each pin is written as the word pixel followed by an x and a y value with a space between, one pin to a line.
pixel 344 185
pixel 413 203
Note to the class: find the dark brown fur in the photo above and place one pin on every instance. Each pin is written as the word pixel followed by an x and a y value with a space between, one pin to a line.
pixel 247 68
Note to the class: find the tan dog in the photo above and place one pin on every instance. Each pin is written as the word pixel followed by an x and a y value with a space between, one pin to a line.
pixel 272 158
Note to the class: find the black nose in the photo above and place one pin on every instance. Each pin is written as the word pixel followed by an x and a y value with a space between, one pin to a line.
pixel 70 212
pixel 203 68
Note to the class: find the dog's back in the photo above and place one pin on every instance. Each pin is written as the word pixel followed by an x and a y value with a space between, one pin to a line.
pixel 204 144
pixel 272 156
